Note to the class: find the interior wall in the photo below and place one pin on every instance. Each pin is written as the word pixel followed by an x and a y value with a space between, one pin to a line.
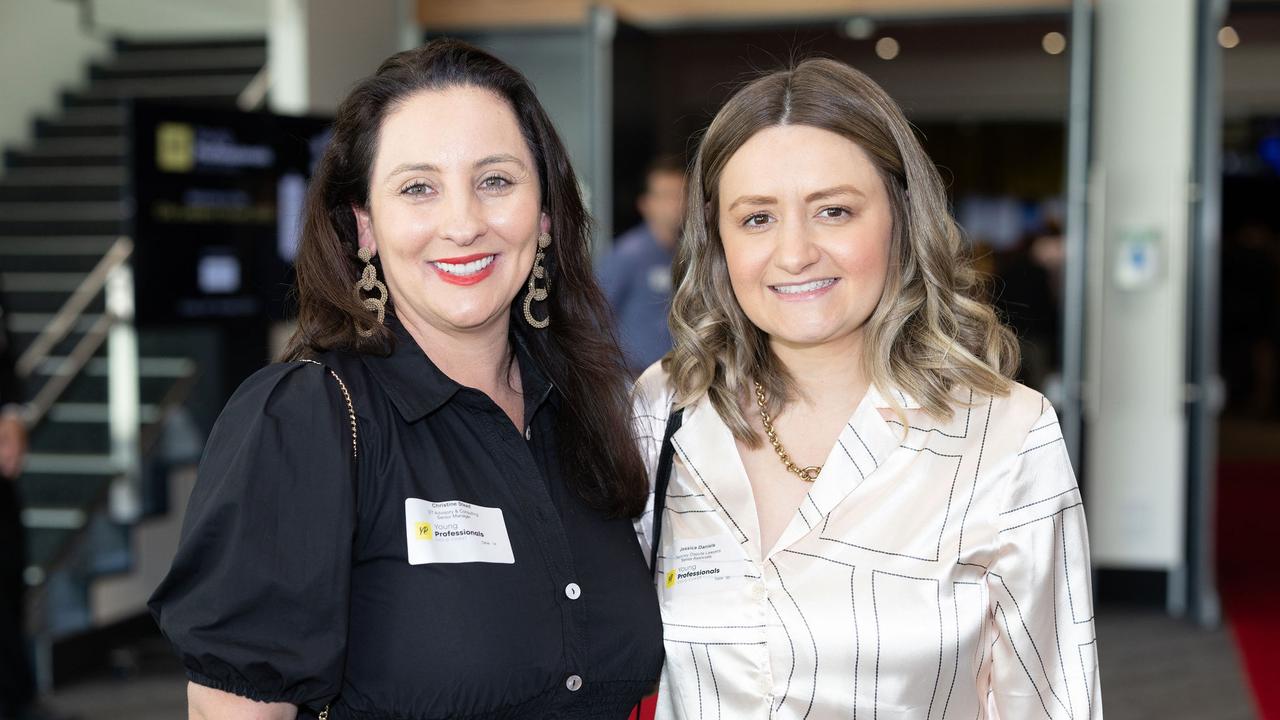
pixel 43 49
pixel 143 19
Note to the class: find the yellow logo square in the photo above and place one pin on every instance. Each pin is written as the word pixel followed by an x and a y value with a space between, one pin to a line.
pixel 425 531
pixel 175 147
pixel 671 579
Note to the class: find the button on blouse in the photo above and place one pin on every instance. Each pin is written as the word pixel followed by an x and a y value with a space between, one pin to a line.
pixel 424 575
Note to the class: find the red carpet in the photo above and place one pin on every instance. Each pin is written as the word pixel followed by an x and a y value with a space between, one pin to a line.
pixel 646 709
pixel 1248 539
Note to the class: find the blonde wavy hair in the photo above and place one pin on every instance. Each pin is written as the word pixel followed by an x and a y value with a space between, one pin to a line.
pixel 932 330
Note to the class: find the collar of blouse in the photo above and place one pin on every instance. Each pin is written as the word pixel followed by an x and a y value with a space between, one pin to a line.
pixel 418 388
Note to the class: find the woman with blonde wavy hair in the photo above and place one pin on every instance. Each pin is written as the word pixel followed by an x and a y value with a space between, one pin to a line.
pixel 858 512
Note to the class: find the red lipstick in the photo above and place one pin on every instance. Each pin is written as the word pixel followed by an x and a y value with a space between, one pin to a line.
pixel 464 280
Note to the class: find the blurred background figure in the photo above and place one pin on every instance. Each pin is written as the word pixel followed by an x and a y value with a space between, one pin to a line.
pixel 1249 318
pixel 636 274
pixel 1029 296
pixel 17 686
pixel 17 682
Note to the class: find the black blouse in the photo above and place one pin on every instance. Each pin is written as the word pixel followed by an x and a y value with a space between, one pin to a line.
pixel 426 562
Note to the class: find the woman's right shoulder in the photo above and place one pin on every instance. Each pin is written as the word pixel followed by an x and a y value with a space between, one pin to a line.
pixel 295 388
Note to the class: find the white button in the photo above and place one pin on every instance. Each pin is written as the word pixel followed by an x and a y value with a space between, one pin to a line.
pixel 573 683
pixel 528 433
pixel 572 591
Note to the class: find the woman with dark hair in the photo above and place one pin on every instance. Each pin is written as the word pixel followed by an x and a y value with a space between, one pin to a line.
pixel 865 516
pixel 424 512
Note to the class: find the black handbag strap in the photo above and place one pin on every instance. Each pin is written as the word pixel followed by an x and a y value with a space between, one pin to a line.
pixel 663 479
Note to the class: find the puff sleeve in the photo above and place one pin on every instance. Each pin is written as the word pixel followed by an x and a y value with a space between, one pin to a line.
pixel 1044 657
pixel 255 602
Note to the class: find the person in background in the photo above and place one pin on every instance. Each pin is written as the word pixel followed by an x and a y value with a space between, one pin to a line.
pixel 1029 302
pixel 17 684
pixel 636 274
pixel 17 689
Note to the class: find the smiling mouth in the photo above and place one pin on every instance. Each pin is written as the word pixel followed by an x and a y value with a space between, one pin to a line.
pixel 464 267
pixel 803 288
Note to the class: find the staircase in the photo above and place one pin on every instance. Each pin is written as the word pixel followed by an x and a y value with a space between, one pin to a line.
pixel 62 211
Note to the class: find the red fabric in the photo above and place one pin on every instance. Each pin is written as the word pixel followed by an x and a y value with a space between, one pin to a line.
pixel 1248 537
pixel 647 707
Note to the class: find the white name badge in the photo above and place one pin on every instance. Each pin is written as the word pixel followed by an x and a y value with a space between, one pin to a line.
pixel 455 532
pixel 704 565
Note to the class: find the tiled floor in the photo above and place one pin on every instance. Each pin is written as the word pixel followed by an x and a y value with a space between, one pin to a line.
pixel 1153 668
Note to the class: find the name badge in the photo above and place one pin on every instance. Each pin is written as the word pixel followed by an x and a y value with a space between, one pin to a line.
pixel 455 532
pixel 703 565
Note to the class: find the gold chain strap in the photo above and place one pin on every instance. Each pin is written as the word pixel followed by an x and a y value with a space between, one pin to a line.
pixel 808 473
pixel 351 410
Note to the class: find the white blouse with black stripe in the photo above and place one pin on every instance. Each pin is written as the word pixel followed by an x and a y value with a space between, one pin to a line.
pixel 935 571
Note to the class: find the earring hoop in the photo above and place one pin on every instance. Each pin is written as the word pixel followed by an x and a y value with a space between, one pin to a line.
pixel 368 283
pixel 535 293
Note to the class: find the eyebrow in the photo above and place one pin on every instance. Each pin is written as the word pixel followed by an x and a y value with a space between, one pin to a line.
pixel 831 192
pixel 428 167
pixel 815 196
pixel 753 200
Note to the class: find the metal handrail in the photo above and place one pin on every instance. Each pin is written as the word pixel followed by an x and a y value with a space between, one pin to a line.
pixel 73 308
pixel 254 95
pixel 67 370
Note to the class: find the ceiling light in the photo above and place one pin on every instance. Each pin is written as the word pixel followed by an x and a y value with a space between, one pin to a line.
pixel 1053 43
pixel 1228 37
pixel 887 48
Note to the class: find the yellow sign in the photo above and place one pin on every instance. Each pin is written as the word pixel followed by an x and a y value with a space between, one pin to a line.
pixel 671 579
pixel 425 531
pixel 175 147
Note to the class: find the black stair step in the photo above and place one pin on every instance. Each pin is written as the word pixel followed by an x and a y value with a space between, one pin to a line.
pixel 68 175
pixel 170 87
pixel 77 100
pixel 57 490
pixel 44 300
pixel 91 389
pixel 114 116
pixel 60 193
pixel 94 246
pixel 157 71
pixel 18 159
pixel 45 128
pixel 125 46
pixel 241 59
pixel 24 323
pixel 110 144
pixel 49 263
pixel 22 340
pixel 54 437
pixel 68 227
pixel 45 544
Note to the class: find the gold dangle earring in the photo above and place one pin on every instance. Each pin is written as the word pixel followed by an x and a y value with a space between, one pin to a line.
pixel 368 283
pixel 536 293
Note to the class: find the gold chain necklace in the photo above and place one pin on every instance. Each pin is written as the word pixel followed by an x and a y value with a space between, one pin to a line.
pixel 808 474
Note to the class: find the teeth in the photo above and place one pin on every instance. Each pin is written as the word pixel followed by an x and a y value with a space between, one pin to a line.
pixel 465 269
pixel 807 287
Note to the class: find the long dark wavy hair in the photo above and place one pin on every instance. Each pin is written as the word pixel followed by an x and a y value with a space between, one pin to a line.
pixel 579 350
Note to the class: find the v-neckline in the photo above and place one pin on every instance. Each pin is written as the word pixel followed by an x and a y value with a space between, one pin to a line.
pixel 704 441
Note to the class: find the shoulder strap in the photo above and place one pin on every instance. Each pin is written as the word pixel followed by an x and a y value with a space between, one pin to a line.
pixel 351 410
pixel 663 479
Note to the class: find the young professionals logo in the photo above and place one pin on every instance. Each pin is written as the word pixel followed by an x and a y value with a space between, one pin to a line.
pixel 425 531
pixel 175 147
